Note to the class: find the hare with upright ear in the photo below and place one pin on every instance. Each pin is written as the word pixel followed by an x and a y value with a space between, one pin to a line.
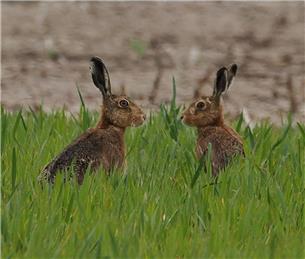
pixel 104 144
pixel 206 114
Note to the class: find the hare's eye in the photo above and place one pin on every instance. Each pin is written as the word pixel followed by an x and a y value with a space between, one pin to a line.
pixel 123 103
pixel 200 105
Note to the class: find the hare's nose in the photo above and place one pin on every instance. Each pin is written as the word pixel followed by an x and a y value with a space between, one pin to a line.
pixel 144 117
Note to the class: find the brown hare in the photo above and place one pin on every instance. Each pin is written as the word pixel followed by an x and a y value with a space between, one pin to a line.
pixel 206 114
pixel 104 144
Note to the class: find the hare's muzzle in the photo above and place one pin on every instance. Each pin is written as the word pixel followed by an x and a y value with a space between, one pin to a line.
pixel 139 120
pixel 143 118
pixel 185 118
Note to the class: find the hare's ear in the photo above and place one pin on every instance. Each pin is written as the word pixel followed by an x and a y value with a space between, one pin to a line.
pixel 224 78
pixel 232 74
pixel 100 76
pixel 221 82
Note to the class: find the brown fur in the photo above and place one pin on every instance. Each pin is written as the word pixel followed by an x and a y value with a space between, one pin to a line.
pixel 100 146
pixel 209 120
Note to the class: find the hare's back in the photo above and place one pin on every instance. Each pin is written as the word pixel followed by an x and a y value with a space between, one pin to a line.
pixel 86 147
pixel 224 147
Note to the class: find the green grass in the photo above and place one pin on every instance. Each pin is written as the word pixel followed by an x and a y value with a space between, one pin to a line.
pixel 165 206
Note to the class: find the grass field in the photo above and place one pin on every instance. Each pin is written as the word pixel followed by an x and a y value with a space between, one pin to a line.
pixel 163 205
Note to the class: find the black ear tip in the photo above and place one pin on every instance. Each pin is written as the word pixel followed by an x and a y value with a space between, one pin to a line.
pixel 234 69
pixel 221 70
pixel 96 64
pixel 96 60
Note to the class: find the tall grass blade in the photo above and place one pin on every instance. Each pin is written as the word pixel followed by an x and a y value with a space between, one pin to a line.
pixel 280 140
pixel 173 101
pixel 302 130
pixel 14 169
pixel 33 114
pixel 4 125
pixel 113 243
pixel 80 97
pixel 239 123
pixel 204 161
pixel 16 125
pixel 69 209
pixel 171 117
pixel 251 138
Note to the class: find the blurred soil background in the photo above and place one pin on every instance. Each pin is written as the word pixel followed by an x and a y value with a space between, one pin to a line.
pixel 46 47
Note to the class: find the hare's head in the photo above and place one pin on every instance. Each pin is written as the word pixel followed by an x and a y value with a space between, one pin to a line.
pixel 117 110
pixel 207 110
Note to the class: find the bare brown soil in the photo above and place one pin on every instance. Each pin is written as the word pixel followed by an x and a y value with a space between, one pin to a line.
pixel 46 47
